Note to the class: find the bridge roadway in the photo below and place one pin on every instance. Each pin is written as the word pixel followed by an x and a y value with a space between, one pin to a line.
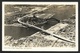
pixel 45 31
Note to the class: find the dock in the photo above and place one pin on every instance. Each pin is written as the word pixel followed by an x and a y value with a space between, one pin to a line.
pixel 49 32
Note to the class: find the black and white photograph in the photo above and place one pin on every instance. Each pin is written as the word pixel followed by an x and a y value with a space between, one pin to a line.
pixel 40 26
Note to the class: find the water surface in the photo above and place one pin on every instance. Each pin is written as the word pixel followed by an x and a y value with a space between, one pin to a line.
pixel 18 32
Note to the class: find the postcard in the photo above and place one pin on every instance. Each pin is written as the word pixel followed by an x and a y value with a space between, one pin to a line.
pixel 40 26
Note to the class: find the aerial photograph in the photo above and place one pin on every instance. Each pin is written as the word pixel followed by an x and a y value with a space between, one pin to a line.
pixel 39 25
